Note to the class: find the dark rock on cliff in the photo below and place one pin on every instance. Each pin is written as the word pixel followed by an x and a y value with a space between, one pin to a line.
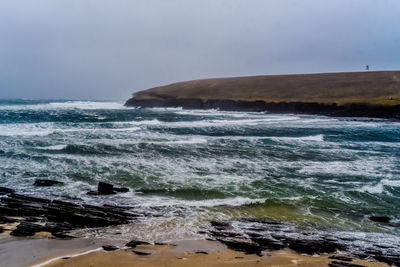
pixel 330 109
pixel 45 182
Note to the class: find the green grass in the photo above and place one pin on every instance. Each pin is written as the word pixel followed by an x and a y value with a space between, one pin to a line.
pixel 374 88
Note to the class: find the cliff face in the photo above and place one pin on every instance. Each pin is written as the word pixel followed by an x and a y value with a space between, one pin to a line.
pixel 370 94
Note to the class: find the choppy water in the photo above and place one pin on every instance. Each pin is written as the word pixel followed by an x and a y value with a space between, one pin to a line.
pixel 201 165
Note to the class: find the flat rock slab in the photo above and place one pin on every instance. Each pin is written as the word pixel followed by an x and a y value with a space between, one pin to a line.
pixel 344 264
pixel 253 235
pixel 60 216
pixel 45 182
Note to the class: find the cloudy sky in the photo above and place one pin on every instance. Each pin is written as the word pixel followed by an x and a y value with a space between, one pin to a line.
pixel 107 49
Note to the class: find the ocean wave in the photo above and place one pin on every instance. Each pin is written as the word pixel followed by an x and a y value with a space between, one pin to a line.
pixel 379 188
pixel 209 123
pixel 314 138
pixel 26 129
pixel 216 112
pixel 142 122
pixel 54 147
pixel 183 142
pixel 233 202
pixel 84 105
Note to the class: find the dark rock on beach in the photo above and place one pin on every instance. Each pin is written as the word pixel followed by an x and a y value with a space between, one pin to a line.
pixel 105 188
pixel 110 248
pixel 27 229
pixel 382 219
pixel 269 243
pixel 108 189
pixel 4 190
pixel 5 219
pixel 253 235
pixel 142 252
pixel 341 258
pixel 134 243
pixel 314 246
pixel 343 264
pixel 121 189
pixel 60 216
pixel 242 245
pixel 45 182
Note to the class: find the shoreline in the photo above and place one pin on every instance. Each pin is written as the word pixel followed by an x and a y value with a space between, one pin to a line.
pixel 41 228
pixel 194 253
pixel 358 110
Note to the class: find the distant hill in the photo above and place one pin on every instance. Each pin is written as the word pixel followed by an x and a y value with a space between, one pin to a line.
pixel 375 94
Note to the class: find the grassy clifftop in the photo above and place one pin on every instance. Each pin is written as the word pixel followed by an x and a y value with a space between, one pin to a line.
pixel 375 88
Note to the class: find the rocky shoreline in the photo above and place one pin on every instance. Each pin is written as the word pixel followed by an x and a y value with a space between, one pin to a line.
pixel 347 110
pixel 254 235
pixel 250 235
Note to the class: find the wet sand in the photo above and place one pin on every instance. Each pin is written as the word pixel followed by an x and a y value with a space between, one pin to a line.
pixel 194 253
pixel 21 251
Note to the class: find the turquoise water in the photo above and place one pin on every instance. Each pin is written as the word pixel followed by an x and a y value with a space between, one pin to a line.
pixel 201 165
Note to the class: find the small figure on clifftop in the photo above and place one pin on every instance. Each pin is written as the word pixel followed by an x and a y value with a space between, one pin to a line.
pixel 367 68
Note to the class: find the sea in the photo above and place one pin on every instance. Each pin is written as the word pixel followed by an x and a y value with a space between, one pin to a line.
pixel 185 168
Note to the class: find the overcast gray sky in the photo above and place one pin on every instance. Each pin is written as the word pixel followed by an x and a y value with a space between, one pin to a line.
pixel 107 49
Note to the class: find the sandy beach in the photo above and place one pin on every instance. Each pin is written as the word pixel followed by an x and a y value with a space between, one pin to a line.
pixel 186 253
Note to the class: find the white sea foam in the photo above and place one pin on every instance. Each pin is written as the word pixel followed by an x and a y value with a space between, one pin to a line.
pixel 26 129
pixel 373 189
pixel 55 147
pixel 216 112
pixel 379 188
pixel 143 122
pixel 157 201
pixel 315 138
pixel 183 142
pixel 89 105
pixel 68 256
pixel 209 123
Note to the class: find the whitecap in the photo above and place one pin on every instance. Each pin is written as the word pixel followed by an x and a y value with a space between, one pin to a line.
pixel 235 201
pixel 88 105
pixel 373 189
pixel 183 142
pixel 54 147
pixel 314 138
